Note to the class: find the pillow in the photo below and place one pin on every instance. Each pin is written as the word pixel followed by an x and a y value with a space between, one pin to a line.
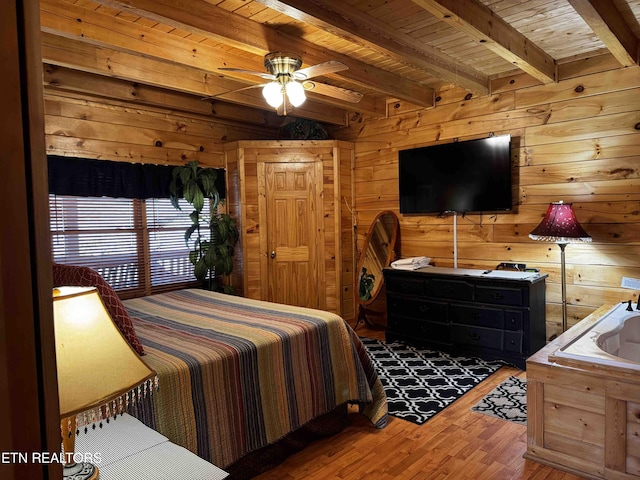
pixel 68 275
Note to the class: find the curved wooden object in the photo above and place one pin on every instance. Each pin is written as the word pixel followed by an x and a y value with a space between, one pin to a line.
pixel 378 251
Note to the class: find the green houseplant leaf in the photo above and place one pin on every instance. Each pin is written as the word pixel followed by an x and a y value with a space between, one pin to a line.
pixel 189 232
pixel 212 236
pixel 201 270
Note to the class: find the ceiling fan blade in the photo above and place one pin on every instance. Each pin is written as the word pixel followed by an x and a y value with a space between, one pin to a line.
pixel 266 76
pixel 331 91
pixel 319 69
pixel 234 91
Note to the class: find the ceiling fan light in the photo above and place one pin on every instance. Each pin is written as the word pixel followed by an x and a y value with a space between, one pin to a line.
pixel 272 93
pixel 295 92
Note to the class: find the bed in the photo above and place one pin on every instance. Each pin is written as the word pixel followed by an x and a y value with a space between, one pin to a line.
pixel 243 383
pixel 238 376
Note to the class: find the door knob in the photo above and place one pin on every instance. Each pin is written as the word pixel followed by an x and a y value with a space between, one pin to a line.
pixel 273 254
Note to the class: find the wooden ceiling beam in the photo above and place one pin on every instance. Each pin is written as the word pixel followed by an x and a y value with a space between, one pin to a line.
pixel 85 25
pixel 57 78
pixel 479 22
pixel 608 24
pixel 63 79
pixel 230 29
pixel 85 57
pixel 167 58
pixel 349 23
pixel 105 61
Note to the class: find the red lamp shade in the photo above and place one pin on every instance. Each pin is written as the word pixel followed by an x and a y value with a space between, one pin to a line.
pixel 560 225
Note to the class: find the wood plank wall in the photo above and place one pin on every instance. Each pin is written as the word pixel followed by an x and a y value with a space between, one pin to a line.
pixel 344 199
pixel 91 126
pixel 577 141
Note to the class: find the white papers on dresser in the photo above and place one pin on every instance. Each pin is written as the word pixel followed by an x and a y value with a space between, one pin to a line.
pixel 411 263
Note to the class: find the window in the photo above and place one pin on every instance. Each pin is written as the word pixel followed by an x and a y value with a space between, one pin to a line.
pixel 136 245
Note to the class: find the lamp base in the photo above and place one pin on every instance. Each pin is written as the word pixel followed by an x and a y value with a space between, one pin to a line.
pixel 81 471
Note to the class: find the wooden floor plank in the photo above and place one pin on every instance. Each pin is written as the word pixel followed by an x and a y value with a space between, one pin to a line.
pixel 456 444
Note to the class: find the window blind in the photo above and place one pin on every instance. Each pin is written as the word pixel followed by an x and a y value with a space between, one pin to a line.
pixel 168 252
pixel 136 245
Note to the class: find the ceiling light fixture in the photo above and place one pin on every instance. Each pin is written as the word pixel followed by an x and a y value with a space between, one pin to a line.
pixel 288 83
pixel 272 93
pixel 284 87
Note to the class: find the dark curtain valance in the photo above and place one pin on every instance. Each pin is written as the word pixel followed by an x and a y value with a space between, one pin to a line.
pixel 86 177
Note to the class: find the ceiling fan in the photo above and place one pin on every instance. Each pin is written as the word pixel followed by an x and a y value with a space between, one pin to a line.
pixel 288 82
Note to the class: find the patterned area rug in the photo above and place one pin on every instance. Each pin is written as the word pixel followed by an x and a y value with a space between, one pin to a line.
pixel 507 401
pixel 420 383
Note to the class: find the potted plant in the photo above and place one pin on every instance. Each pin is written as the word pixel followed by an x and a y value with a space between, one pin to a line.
pixel 212 236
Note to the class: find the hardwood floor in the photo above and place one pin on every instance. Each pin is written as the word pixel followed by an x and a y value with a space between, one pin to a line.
pixel 456 444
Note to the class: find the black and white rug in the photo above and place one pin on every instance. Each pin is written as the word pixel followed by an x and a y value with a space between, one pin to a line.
pixel 507 401
pixel 420 383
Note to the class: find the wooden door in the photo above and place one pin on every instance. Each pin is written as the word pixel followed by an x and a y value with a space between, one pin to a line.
pixel 292 233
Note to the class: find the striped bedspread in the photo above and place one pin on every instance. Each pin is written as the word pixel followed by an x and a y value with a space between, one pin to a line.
pixel 237 374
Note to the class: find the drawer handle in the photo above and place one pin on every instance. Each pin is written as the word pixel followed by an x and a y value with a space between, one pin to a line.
pixel 424 309
pixel 474 336
pixel 476 315
pixel 447 289
pixel 513 320
pixel 497 295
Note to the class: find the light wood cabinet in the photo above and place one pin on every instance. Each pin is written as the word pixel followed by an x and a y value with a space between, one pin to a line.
pixel 250 200
pixel 583 413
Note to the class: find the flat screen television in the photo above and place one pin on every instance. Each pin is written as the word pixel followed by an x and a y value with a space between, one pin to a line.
pixel 462 177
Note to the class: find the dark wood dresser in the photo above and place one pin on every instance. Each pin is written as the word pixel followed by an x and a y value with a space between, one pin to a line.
pixel 491 314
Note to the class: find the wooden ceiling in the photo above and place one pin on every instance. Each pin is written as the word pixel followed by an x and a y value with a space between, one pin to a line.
pixel 169 52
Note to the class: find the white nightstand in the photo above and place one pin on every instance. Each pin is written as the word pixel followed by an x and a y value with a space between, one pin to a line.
pixel 129 450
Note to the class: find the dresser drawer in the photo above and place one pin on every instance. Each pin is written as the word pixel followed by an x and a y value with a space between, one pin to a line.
pixel 479 316
pixel 419 330
pixel 477 336
pixel 514 319
pixel 513 342
pixel 449 289
pixel 408 286
pixel 500 295
pixel 419 309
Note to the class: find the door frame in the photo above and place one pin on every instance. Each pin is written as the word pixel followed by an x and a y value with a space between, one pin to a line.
pixel 262 215
pixel 29 405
